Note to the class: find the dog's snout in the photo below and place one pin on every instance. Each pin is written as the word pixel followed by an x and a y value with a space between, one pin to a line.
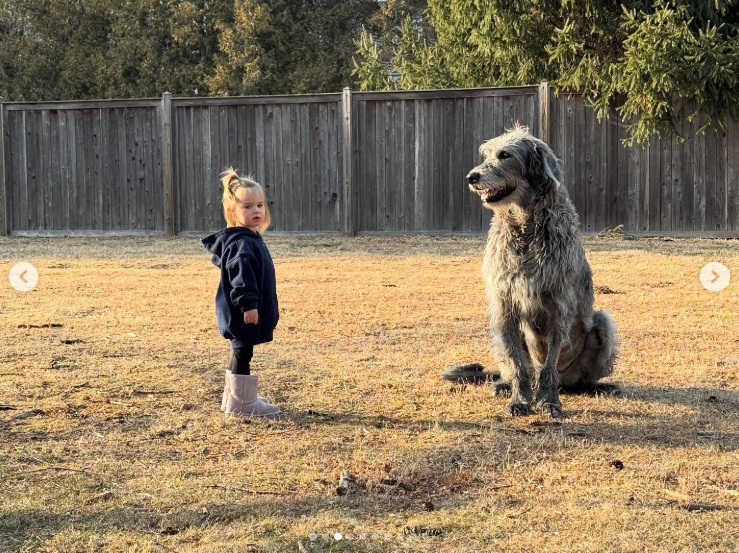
pixel 473 177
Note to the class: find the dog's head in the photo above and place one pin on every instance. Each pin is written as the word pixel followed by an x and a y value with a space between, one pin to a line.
pixel 518 168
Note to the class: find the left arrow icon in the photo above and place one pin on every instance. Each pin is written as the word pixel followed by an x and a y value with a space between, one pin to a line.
pixel 23 277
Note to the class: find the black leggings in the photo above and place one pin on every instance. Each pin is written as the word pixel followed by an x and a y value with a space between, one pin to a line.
pixel 240 359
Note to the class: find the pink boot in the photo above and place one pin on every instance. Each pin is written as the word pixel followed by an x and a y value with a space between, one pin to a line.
pixel 226 390
pixel 243 400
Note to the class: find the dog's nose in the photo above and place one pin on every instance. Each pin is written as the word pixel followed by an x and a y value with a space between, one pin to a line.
pixel 474 177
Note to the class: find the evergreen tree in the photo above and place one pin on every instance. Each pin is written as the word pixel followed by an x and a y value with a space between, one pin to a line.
pixel 647 52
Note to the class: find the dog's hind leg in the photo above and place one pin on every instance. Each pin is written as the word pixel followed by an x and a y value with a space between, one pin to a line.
pixel 596 360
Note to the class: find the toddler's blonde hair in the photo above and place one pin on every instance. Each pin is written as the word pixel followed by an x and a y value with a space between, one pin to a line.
pixel 231 183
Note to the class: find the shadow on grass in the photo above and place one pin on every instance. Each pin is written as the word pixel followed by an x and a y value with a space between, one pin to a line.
pixel 497 440
pixel 711 407
pixel 20 528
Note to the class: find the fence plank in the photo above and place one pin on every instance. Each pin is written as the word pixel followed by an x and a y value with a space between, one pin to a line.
pixel 394 170
pixel 580 152
pixel 4 187
pixel 676 179
pixel 381 133
pixel 122 165
pixel 268 160
pixel 403 163
pixel 131 171
pixel 211 220
pixel 157 170
pixel 477 137
pixel 217 166
pixel 282 166
pixel 16 190
pixel 587 219
pixel 56 172
pixel 722 183
pixel 421 165
pixel 147 169
pixel 360 121
pixel 324 174
pixel 257 132
pixel 31 125
pixel 64 169
pixel 168 170
pixel 632 205
pixel 46 170
pixel 140 172
pixel 371 207
pixel 493 123
pixel 601 214
pixel 305 193
pixel 688 164
pixel 456 181
pixel 315 167
pixel 447 169
pixel 652 217
pixel 665 150
pixel 732 178
pixel 699 179
pixel 568 141
pixel 250 150
pixel 296 187
pixel 438 198
pixel 410 162
pixel 622 186
pixel 105 182
pixel 113 164
pixel 342 208
pixel 200 180
pixel 240 138
pixel 97 169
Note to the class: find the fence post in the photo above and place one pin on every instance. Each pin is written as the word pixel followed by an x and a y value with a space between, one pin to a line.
pixel 346 110
pixel 544 111
pixel 3 194
pixel 167 166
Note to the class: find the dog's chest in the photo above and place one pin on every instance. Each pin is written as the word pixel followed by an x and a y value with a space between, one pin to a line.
pixel 515 275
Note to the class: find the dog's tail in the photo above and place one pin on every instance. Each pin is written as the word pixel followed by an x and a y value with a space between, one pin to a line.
pixel 474 373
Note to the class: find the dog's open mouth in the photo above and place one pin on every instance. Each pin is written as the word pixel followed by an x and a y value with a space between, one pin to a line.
pixel 492 195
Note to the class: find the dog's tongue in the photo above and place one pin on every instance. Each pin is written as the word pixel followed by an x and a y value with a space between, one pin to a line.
pixel 487 194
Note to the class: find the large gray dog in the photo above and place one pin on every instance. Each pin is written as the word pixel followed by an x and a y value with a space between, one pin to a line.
pixel 539 284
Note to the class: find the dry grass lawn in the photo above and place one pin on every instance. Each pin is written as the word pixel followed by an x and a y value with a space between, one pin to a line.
pixel 111 437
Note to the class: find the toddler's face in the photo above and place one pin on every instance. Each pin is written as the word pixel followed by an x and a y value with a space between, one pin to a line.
pixel 249 210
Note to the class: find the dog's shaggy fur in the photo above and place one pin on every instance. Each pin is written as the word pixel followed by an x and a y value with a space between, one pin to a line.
pixel 539 284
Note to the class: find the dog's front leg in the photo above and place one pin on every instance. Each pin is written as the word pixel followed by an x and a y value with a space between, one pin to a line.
pixel 520 373
pixel 547 394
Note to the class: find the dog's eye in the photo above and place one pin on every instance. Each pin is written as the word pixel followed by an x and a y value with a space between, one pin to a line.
pixel 503 155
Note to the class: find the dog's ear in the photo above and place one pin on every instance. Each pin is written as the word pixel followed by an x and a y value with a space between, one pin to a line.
pixel 543 166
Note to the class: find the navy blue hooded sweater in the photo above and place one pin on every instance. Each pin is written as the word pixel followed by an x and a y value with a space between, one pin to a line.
pixel 247 282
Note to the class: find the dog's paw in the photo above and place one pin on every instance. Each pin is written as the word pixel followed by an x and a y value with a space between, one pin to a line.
pixel 553 410
pixel 609 389
pixel 517 409
pixel 501 388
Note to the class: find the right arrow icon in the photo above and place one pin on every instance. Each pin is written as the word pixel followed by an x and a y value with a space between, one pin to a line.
pixel 715 276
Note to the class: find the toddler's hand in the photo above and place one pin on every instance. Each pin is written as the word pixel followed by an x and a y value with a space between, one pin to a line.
pixel 251 317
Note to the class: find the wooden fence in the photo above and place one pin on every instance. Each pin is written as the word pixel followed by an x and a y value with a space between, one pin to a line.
pixel 152 165
pixel 666 186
